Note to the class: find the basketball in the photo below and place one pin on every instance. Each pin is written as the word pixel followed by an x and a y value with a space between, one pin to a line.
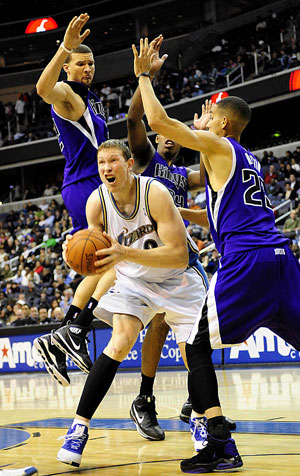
pixel 81 250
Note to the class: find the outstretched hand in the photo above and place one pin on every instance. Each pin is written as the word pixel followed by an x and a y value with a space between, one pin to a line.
pixel 73 37
pixel 201 122
pixel 143 61
pixel 157 61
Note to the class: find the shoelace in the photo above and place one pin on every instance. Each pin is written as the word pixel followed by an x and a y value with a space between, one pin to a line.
pixel 77 440
pixel 199 426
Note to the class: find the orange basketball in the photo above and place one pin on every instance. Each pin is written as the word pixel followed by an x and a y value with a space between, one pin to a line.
pixel 81 250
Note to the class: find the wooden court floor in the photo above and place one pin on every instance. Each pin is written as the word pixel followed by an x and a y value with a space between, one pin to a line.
pixel 35 412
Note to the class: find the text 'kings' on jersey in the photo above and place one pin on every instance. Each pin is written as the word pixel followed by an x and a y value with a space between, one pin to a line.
pixel 79 140
pixel 240 214
pixel 172 176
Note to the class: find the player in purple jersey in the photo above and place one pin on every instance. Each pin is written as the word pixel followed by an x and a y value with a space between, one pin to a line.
pixel 81 128
pixel 257 262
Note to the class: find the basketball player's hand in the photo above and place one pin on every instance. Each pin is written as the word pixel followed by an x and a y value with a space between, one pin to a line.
pixel 64 248
pixel 143 61
pixel 157 61
pixel 73 37
pixel 201 122
pixel 109 257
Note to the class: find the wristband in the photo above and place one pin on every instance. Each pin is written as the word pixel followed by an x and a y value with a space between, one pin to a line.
pixel 143 74
pixel 65 48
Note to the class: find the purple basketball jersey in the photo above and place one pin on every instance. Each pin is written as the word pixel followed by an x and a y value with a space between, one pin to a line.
pixel 173 177
pixel 240 214
pixel 79 140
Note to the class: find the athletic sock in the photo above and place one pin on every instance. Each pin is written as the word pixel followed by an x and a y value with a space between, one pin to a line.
pixel 86 316
pixel 71 315
pixel 76 421
pixel 97 385
pixel 146 387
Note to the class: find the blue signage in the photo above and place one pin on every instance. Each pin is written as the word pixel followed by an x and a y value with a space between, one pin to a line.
pixel 263 347
pixel 17 353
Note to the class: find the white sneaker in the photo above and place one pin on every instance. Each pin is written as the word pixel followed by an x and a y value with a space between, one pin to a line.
pixel 27 471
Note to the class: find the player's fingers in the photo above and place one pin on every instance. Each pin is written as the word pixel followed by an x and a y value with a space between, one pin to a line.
pixel 141 46
pixel 85 34
pixel 110 238
pixel 134 50
pixel 103 251
pixel 71 24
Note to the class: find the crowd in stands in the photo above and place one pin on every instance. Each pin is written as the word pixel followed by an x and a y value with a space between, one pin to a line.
pixel 270 41
pixel 36 286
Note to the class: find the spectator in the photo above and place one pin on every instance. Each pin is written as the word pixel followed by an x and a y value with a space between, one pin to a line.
pixel 270 174
pixel 67 299
pixel 289 193
pixel 42 300
pixel 43 316
pixel 48 191
pixel 274 190
pixel 291 227
pixel 20 109
pixel 294 183
pixel 28 320
pixel 18 319
pixel 295 165
pixel 34 313
pixel 58 314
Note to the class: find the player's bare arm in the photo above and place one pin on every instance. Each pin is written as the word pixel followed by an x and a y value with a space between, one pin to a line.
pixel 139 144
pixel 94 212
pixel 196 182
pixel 195 216
pixel 171 230
pixel 218 153
pixel 47 86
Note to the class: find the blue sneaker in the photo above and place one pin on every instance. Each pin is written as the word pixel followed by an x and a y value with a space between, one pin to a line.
pixel 75 441
pixel 198 431
pixel 230 455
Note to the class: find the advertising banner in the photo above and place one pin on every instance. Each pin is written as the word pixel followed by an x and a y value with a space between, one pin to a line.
pixel 17 353
pixel 262 347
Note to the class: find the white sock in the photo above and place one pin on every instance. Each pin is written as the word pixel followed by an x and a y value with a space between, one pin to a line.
pixel 77 421
pixel 196 415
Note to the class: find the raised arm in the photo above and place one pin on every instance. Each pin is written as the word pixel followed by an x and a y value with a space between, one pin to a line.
pixel 47 86
pixel 196 180
pixel 217 151
pixel 139 144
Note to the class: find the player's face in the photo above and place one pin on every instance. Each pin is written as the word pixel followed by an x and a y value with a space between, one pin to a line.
pixel 216 120
pixel 167 147
pixel 81 68
pixel 113 169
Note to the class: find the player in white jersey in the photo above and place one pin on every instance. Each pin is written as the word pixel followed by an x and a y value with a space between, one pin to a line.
pixel 150 255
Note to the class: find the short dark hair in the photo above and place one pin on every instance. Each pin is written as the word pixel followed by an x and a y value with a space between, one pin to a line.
pixel 238 106
pixel 116 144
pixel 79 49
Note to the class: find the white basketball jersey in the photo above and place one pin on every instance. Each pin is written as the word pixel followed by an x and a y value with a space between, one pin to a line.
pixel 137 231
